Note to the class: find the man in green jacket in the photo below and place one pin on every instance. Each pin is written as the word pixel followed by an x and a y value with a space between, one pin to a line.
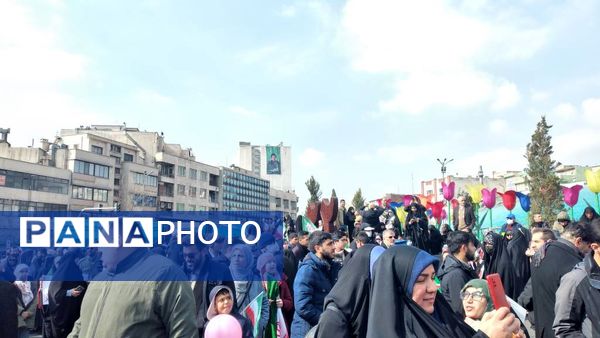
pixel 138 295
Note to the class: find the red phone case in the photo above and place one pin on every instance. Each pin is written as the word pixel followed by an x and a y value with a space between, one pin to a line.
pixel 497 291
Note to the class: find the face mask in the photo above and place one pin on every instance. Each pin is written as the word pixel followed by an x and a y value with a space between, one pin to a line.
pixel 509 221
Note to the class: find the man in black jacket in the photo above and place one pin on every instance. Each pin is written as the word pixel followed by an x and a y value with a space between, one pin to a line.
pixel 578 296
pixel 8 310
pixel 561 256
pixel 456 271
pixel 204 274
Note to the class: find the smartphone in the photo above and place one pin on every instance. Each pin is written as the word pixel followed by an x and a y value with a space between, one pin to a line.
pixel 79 288
pixel 497 291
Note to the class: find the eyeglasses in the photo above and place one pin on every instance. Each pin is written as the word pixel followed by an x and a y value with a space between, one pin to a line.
pixel 476 296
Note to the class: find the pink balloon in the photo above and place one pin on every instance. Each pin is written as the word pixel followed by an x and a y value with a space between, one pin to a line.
pixel 223 326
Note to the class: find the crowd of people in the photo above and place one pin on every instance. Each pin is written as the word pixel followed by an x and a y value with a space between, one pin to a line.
pixel 375 276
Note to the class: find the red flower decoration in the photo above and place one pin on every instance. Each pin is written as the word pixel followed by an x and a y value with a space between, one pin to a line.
pixel 407 200
pixel 509 199
pixel 571 195
pixel 448 190
pixel 436 209
pixel 489 197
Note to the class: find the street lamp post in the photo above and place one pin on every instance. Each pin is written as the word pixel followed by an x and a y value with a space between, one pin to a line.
pixel 443 169
pixel 480 174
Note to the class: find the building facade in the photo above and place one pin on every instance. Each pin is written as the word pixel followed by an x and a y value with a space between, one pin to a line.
pixel 243 190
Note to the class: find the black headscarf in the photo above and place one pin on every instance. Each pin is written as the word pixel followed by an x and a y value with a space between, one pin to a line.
pixel 64 310
pixel 584 219
pixel 350 296
pixel 393 313
pixel 520 262
pixel 499 262
pixel 417 232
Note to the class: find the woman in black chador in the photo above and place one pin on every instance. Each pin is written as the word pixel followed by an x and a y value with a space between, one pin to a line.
pixel 416 226
pixel 497 260
pixel 65 295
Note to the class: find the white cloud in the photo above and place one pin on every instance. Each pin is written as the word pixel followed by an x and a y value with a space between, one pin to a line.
pixel 498 126
pixel 149 96
pixel 577 146
pixel 499 159
pixel 35 68
pixel 507 96
pixel 403 154
pixel 437 52
pixel 243 112
pixel 538 96
pixel 591 110
pixel 311 157
pixel 288 11
pixel 564 111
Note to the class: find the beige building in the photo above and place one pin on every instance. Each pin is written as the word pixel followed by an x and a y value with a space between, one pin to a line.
pixel 182 183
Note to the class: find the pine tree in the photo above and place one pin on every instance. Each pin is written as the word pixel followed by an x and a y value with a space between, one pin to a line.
pixel 358 201
pixel 314 188
pixel 544 185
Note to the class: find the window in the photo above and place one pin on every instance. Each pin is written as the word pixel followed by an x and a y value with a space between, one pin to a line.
pixel 18 205
pixel 92 169
pixel 192 191
pixel 181 170
pixel 117 159
pixel 286 204
pixel 278 202
pixel 181 189
pixel 203 176
pixel 180 207
pixel 117 171
pixel 192 207
pixel 19 180
pixel 143 200
pixel 145 179
pixel 127 158
pixel 193 174
pixel 202 193
pixel 117 181
pixel 90 194
pixel 115 148
pixel 97 150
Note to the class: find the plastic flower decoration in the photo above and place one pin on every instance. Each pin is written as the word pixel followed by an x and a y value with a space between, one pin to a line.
pixel 448 190
pixel 509 199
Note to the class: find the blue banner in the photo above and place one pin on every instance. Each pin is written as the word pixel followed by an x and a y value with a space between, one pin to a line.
pixel 143 246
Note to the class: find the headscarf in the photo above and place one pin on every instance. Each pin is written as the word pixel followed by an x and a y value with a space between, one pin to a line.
pixel 499 262
pixel 594 215
pixel 24 286
pixel 243 273
pixel 520 262
pixel 212 308
pixel 393 313
pixel 352 291
pixel 262 262
pixel 483 285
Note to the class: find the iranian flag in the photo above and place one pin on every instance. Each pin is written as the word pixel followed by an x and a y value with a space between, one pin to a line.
pixel 281 328
pixel 307 225
pixel 252 312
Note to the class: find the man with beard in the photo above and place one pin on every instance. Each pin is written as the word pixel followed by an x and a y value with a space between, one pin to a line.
pixel 198 266
pixel 561 256
pixel 455 272
pixel 578 297
pixel 314 280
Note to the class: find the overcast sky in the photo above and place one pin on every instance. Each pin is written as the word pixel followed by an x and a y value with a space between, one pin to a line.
pixel 367 92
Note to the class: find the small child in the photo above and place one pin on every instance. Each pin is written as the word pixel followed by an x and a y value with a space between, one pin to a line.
pixel 221 302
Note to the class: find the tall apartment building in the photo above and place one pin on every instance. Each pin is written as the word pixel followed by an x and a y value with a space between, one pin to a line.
pixel 274 164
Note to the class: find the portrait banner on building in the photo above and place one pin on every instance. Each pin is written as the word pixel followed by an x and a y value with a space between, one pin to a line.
pixel 273 160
